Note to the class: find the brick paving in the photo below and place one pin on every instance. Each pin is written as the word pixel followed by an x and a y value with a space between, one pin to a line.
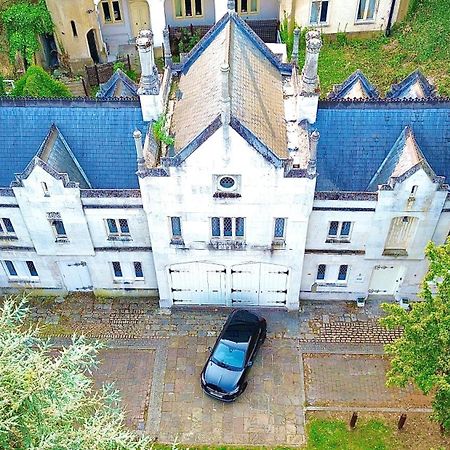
pixel 354 380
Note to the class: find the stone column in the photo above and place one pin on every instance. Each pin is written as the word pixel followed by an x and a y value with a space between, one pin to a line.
pixel 294 56
pixel 313 141
pixel 149 83
pixel 309 74
pixel 158 20
pixel 167 51
pixel 137 136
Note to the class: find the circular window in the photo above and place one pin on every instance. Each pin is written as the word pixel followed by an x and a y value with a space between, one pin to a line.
pixel 227 182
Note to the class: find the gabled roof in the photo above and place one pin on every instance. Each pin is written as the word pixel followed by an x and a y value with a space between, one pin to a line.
pixel 405 156
pixel 355 86
pixel 415 85
pixel 355 138
pixel 119 85
pixel 98 132
pixel 255 82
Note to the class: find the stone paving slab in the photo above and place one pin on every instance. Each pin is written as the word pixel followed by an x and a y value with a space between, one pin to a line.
pixel 354 380
pixel 131 371
pixel 268 413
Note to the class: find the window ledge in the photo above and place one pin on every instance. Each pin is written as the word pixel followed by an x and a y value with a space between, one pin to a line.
pixel 279 245
pixel 394 252
pixel 227 244
pixel 123 281
pixel 319 24
pixel 332 284
pixel 8 238
pixel 23 280
pixel 227 195
pixel 177 242
pixel 337 241
pixel 119 238
pixel 62 239
pixel 365 22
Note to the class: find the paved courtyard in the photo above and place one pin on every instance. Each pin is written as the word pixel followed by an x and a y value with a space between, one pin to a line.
pixel 325 356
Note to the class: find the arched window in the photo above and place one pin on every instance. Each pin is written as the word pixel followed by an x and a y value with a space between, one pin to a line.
pixel 400 235
pixel 74 28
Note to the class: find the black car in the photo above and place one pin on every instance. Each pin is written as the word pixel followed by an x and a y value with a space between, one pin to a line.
pixel 225 372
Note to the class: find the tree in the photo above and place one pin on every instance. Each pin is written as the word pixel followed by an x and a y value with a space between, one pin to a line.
pixel 23 23
pixel 36 82
pixel 422 354
pixel 47 399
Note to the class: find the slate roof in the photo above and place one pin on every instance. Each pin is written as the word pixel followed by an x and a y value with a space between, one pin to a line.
pixel 99 133
pixel 355 86
pixel 415 85
pixel 255 87
pixel 120 85
pixel 356 137
pixel 56 153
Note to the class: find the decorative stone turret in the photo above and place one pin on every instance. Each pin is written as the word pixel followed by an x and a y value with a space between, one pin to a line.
pixel 310 79
pixel 294 55
pixel 149 85
pixel 231 5
pixel 137 136
pixel 308 97
pixel 313 141
pixel 167 51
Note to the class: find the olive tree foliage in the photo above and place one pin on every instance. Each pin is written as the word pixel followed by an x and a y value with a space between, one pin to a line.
pixel 47 399
pixel 23 22
pixel 422 354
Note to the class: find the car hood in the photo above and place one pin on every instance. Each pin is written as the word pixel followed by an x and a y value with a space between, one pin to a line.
pixel 225 379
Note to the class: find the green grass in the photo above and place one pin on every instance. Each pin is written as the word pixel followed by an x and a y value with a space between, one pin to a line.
pixel 420 42
pixel 335 435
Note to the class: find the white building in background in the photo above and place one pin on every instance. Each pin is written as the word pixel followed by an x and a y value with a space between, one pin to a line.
pixel 267 195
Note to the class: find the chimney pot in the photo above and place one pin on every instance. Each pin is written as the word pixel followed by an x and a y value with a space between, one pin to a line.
pixel 294 55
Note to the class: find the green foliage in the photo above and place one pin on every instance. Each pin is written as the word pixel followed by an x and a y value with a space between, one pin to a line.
pixel 23 23
pixel 287 27
pixel 422 355
pixel 2 86
pixel 187 40
pixel 159 131
pixel 420 42
pixel 335 435
pixel 36 82
pixel 130 73
pixel 47 399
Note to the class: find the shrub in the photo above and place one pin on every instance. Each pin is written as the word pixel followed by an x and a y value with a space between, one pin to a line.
pixel 129 72
pixel 36 82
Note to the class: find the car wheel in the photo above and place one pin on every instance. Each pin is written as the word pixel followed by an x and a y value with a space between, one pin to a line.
pixel 262 339
pixel 244 387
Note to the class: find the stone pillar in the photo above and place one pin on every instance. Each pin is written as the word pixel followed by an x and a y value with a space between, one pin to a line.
pixel 294 56
pixel 157 20
pixel 137 135
pixel 310 80
pixel 313 141
pixel 167 51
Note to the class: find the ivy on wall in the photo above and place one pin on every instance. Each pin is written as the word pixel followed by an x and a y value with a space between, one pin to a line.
pixel 23 22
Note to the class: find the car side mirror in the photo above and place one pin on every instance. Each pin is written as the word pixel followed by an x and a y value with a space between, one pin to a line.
pixel 250 364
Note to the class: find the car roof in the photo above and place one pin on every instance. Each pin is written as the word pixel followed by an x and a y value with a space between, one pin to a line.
pixel 241 327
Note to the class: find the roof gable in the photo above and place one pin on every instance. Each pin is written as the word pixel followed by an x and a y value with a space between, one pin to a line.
pixel 120 85
pixel 255 83
pixel 404 158
pixel 414 86
pixel 355 86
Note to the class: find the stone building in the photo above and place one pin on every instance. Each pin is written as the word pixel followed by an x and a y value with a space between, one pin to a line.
pixel 92 31
pixel 266 196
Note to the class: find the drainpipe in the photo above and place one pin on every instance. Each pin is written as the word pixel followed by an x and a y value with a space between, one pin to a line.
pixel 387 32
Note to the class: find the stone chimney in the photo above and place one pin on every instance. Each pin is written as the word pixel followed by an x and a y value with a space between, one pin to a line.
pixel 225 104
pixel 308 97
pixel 167 51
pixel 313 141
pixel 137 136
pixel 149 85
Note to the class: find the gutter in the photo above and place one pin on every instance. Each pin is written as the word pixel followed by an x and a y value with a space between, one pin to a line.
pixel 387 32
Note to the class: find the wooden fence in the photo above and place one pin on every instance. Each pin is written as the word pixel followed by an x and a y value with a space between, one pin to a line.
pixel 101 73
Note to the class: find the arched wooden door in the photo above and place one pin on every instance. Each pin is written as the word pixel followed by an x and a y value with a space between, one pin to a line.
pixel 139 16
pixel 92 43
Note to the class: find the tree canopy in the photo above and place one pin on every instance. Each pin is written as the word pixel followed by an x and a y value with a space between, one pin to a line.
pixel 36 82
pixel 23 23
pixel 422 354
pixel 47 399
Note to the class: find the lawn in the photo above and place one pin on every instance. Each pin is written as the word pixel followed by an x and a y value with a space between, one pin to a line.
pixel 421 41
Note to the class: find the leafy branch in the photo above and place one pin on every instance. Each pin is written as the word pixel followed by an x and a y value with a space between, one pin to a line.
pixel 160 131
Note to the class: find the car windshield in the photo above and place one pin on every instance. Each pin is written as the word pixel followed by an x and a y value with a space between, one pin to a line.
pixel 229 355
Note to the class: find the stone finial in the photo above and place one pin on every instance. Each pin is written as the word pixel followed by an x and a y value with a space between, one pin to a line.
pixel 144 39
pixel 294 56
pixel 313 141
pixel 310 79
pixel 231 5
pixel 149 84
pixel 166 45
